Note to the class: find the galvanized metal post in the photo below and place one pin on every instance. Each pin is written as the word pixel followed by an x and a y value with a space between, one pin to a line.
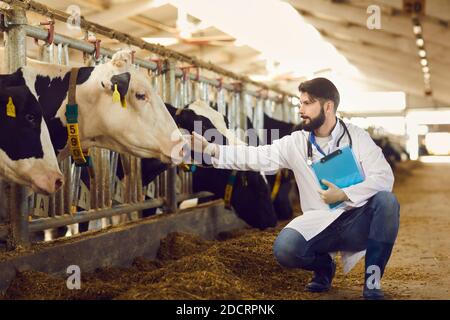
pixel 100 178
pixel 93 180
pixel 16 39
pixel 242 113
pixel 112 173
pixel 18 208
pixel 133 186
pixel 232 110
pixel 286 110
pixel 75 184
pixel 139 191
pixel 133 179
pixel 18 205
pixel 106 177
pixel 258 117
pixel 171 196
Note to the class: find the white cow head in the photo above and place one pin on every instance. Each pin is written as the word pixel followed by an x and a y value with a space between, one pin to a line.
pixel 143 128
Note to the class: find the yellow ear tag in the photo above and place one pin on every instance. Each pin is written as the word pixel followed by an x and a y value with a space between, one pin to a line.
pixel 124 102
pixel 116 94
pixel 10 108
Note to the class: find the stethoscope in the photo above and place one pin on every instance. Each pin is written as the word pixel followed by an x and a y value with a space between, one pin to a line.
pixel 312 140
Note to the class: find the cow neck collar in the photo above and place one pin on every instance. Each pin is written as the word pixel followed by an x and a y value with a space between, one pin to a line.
pixel 81 158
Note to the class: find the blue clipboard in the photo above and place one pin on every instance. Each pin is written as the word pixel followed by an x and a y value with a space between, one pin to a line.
pixel 340 168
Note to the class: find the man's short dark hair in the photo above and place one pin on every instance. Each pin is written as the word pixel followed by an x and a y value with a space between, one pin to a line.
pixel 322 89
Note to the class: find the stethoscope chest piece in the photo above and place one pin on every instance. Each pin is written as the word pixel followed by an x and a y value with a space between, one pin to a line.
pixel 309 144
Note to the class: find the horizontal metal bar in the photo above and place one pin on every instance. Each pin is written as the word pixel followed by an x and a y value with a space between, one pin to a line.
pixel 216 83
pixel 41 9
pixel 202 194
pixel 84 216
pixel 84 46
pixel 38 33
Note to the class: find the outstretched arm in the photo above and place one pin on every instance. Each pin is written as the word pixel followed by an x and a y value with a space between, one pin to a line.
pixel 241 157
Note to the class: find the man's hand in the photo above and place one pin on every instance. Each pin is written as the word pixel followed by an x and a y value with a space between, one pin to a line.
pixel 201 145
pixel 332 194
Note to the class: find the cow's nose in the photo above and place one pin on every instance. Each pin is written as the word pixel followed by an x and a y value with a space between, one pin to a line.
pixel 47 183
pixel 184 144
pixel 55 181
pixel 59 183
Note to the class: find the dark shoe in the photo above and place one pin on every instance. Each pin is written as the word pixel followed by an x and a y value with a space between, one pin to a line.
pixel 373 294
pixel 322 279
pixel 377 255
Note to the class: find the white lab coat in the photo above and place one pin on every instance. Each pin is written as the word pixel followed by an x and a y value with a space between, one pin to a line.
pixel 291 152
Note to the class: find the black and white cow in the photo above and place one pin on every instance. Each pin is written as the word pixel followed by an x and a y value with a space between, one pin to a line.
pixel 282 203
pixel 144 128
pixel 26 152
pixel 250 188
pixel 251 195
pixel 390 152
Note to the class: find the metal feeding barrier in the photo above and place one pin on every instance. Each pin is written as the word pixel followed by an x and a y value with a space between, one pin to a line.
pixel 107 200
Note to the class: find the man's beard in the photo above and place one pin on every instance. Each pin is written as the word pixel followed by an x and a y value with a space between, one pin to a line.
pixel 314 123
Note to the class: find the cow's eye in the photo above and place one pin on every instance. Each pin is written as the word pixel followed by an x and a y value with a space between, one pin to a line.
pixel 140 96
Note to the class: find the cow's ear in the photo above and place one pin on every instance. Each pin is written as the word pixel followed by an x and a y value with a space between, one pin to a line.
pixel 122 81
pixel 122 60
pixel 13 79
pixel 3 100
pixel 13 96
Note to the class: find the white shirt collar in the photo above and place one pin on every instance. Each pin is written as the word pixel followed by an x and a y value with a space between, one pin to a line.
pixel 336 130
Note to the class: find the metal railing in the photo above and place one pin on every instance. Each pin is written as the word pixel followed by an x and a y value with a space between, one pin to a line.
pixel 108 197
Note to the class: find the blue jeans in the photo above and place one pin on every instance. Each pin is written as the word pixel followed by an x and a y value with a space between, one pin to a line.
pixel 373 226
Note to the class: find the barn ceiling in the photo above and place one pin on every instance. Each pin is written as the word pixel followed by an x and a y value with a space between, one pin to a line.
pixel 384 59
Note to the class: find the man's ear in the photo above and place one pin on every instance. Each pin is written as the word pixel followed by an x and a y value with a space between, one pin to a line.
pixel 329 105
pixel 123 82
